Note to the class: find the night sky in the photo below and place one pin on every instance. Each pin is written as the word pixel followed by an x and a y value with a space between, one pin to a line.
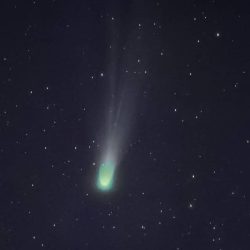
pixel 162 87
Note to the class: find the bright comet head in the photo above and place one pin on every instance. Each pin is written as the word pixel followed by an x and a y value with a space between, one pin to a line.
pixel 106 176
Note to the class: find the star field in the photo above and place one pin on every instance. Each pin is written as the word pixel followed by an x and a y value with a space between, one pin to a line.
pixel 176 74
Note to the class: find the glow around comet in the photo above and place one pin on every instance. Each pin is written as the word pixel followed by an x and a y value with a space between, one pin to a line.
pixel 108 164
pixel 106 176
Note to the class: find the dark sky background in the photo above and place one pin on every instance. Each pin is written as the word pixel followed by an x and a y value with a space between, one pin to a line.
pixel 183 180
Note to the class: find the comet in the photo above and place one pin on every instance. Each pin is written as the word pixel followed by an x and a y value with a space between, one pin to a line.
pixel 118 112
pixel 115 133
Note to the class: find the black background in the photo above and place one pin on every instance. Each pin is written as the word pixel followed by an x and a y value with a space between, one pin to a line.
pixel 183 181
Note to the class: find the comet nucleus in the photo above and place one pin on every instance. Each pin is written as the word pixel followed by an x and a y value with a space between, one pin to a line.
pixel 105 176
